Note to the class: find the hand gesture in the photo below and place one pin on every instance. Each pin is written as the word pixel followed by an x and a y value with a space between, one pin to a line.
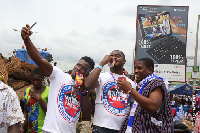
pixel 82 87
pixel 174 25
pixel 107 59
pixel 35 94
pixel 25 32
pixel 124 85
pixel 176 28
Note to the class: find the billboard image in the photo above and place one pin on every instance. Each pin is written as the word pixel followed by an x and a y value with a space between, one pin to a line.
pixel 161 36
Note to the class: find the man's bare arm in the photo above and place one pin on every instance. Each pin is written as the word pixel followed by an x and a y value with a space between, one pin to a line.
pixel 92 79
pixel 44 65
pixel 14 128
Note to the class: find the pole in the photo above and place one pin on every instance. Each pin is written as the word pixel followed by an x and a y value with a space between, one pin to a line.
pixel 133 61
pixel 196 50
pixel 195 64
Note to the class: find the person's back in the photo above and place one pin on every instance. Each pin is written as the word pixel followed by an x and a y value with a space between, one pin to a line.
pixel 11 114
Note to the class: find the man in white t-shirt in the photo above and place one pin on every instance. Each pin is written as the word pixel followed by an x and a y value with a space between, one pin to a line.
pixel 65 96
pixel 112 104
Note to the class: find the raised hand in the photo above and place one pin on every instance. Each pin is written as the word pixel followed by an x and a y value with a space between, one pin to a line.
pixel 25 32
pixel 35 94
pixel 107 59
pixel 124 85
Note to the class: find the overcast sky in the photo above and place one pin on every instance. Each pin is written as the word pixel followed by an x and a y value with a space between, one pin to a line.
pixel 72 29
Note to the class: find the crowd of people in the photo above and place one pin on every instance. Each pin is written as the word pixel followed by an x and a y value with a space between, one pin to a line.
pixel 122 104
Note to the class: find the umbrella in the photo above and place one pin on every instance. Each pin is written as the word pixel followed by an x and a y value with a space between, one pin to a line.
pixel 183 89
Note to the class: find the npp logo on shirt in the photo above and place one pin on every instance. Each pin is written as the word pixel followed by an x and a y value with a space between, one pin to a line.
pixel 69 103
pixel 115 101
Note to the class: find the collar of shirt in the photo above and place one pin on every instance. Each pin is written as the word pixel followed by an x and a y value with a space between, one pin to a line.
pixel 2 85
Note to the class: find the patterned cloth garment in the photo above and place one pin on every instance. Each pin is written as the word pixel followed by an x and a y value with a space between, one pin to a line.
pixel 197 99
pixel 179 114
pixel 144 121
pixel 36 115
pixel 10 110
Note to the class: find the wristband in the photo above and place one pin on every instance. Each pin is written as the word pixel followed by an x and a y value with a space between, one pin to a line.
pixel 85 93
pixel 129 90
pixel 100 67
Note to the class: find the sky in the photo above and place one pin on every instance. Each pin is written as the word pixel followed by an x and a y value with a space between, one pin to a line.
pixel 72 29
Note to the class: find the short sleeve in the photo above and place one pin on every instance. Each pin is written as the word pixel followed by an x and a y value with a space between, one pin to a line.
pixel 54 72
pixel 14 113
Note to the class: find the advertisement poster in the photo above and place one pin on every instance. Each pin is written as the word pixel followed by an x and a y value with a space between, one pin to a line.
pixel 161 36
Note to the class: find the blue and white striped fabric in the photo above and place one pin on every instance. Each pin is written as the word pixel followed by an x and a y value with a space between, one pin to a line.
pixel 141 85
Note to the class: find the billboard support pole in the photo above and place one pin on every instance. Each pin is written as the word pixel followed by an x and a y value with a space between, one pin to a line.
pixel 195 64
pixel 196 50
pixel 133 61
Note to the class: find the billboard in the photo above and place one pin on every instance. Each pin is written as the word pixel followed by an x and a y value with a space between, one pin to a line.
pixel 161 36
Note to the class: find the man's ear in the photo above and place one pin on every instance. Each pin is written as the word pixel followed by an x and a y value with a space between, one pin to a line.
pixel 124 61
pixel 151 69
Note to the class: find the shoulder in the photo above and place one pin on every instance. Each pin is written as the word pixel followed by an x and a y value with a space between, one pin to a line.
pixel 11 95
pixel 106 74
pixel 9 91
pixel 56 69
pixel 27 91
pixel 157 82
pixel 56 72
pixel 46 92
pixel 47 88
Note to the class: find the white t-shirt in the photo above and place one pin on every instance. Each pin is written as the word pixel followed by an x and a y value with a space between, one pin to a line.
pixel 10 110
pixel 111 105
pixel 63 107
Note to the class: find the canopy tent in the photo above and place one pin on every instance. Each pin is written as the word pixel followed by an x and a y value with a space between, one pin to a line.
pixel 183 89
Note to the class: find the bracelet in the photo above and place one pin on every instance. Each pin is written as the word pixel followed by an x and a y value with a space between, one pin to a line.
pixel 100 67
pixel 85 93
pixel 129 90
